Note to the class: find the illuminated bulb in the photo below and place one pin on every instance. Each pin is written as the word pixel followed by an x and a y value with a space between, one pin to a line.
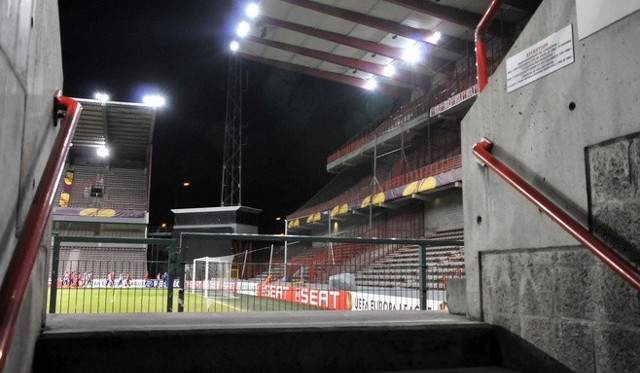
pixel 243 29
pixel 102 152
pixel 234 46
pixel 389 71
pixel 411 54
pixel 252 10
pixel 371 84
pixel 154 100
pixel 101 96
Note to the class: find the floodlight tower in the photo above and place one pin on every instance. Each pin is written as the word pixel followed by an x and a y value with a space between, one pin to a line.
pixel 230 194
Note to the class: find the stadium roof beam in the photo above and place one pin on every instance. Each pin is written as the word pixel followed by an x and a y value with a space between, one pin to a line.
pixel 365 45
pixel 447 42
pixel 393 91
pixel 454 15
pixel 352 63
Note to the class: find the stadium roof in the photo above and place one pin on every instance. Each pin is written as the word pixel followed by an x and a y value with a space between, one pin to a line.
pixel 352 42
pixel 126 129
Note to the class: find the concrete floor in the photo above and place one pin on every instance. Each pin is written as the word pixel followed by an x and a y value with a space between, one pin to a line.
pixel 82 323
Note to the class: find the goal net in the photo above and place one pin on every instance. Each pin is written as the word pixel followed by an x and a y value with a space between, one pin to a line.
pixel 211 277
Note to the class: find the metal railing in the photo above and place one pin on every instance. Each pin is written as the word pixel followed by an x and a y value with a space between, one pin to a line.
pixel 621 266
pixel 25 253
pixel 481 55
pixel 354 274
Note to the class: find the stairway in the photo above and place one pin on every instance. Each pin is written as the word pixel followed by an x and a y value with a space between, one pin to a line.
pixel 375 341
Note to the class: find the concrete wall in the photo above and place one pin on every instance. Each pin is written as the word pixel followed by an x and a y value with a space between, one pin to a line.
pixel 30 72
pixel 523 271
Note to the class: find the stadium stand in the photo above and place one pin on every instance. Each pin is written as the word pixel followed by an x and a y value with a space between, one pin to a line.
pixel 106 197
pixel 400 268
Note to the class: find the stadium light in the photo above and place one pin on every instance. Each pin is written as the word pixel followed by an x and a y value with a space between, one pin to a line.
pixel 102 151
pixel 389 71
pixel 234 46
pixel 243 29
pixel 101 96
pixel 252 10
pixel 434 38
pixel 411 54
pixel 154 100
pixel 371 84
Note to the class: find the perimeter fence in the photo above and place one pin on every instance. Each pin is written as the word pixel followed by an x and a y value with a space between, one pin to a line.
pixel 323 273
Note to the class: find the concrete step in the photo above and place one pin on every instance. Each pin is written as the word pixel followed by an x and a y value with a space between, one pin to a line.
pixel 264 342
pixel 312 341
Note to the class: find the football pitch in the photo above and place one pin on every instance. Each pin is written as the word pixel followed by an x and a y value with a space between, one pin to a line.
pixel 143 300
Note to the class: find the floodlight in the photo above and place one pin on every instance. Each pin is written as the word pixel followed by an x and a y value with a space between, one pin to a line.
pixel 434 38
pixel 102 151
pixel 371 84
pixel 243 29
pixel 389 71
pixel 252 10
pixel 154 100
pixel 101 96
pixel 411 54
pixel 234 46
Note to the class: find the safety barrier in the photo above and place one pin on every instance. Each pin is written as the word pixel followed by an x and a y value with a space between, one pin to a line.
pixel 621 266
pixel 25 253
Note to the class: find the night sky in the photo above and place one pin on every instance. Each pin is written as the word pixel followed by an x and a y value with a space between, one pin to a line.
pixel 180 49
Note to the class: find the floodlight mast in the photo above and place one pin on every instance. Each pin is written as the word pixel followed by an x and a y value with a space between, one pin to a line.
pixel 232 161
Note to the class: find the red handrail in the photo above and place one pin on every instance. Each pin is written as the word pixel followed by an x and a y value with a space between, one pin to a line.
pixel 24 256
pixel 482 151
pixel 481 56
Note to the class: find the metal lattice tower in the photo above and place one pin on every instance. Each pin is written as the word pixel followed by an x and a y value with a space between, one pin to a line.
pixel 232 163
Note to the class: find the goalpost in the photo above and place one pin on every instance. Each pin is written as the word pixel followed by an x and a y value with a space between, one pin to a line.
pixel 211 277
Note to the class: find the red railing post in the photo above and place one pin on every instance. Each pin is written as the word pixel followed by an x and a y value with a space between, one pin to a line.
pixel 481 56
pixel 622 267
pixel 17 275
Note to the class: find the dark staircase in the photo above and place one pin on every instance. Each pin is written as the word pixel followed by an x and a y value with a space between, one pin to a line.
pixel 281 342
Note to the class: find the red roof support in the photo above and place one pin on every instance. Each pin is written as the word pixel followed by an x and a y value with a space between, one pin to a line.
pixel 450 14
pixel 365 45
pixel 393 91
pixel 449 43
pixel 352 63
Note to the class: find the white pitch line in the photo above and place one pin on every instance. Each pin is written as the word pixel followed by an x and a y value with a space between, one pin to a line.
pixel 229 306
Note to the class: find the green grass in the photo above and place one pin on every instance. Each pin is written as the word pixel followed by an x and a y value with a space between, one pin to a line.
pixel 123 300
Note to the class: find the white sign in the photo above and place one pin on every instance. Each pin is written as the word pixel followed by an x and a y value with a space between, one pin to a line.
pixel 541 59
